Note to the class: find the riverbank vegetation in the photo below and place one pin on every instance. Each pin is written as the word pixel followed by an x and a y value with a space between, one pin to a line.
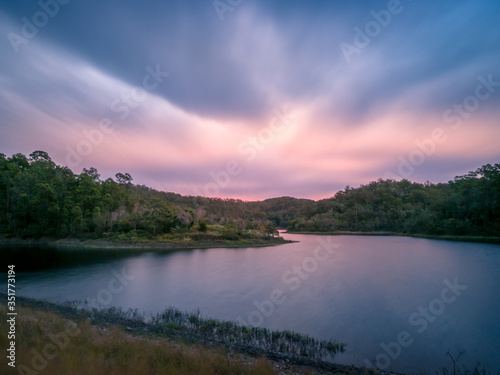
pixel 67 339
pixel 41 199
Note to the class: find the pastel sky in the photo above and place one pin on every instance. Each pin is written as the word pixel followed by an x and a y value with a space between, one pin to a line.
pixel 253 99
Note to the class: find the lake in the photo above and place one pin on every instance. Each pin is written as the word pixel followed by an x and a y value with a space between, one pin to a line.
pixel 397 301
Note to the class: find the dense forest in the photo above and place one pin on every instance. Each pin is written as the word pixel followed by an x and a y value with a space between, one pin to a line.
pixel 41 199
pixel 467 206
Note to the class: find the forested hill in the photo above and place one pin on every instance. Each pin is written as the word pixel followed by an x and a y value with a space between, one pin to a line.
pixel 39 198
pixel 467 206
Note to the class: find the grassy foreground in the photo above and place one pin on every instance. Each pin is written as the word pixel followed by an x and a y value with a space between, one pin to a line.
pixel 63 339
pixel 49 343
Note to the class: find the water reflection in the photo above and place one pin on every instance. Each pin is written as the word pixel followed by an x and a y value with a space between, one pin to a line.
pixel 363 294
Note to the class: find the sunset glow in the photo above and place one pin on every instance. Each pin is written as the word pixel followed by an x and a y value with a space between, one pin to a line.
pixel 261 88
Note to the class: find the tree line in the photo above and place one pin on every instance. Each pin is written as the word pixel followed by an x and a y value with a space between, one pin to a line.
pixel 40 198
pixel 467 206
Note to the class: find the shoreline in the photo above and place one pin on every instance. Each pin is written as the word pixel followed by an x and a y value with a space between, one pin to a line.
pixel 82 244
pixel 475 239
pixel 166 246
pixel 103 320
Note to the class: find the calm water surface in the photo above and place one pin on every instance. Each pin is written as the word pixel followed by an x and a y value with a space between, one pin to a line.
pixel 363 291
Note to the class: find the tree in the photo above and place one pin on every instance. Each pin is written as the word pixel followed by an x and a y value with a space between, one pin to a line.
pixel 92 173
pixel 39 155
pixel 202 226
pixel 455 360
pixel 123 179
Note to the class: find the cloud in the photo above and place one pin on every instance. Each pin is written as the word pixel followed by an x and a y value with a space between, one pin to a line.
pixel 353 122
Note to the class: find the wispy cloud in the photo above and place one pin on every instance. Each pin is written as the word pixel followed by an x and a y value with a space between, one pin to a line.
pixel 353 121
